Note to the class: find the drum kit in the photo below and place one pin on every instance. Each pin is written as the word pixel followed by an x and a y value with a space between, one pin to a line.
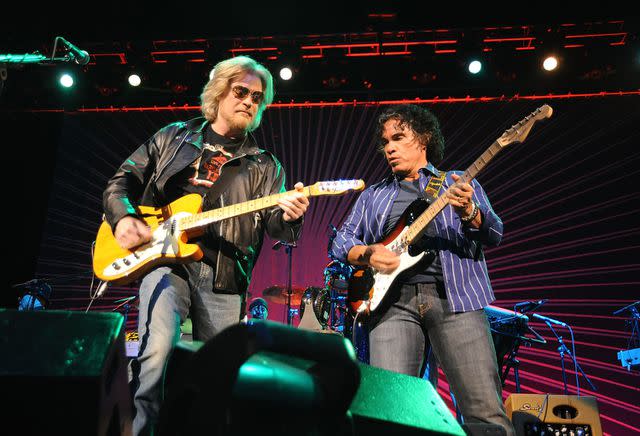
pixel 322 309
pixel 328 305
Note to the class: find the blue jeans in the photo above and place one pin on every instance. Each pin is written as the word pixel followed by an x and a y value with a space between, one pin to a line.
pixel 167 296
pixel 411 318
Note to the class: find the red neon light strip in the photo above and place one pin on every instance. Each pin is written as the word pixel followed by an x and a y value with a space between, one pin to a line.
pixel 374 44
pixel 522 38
pixel 595 35
pixel 177 52
pixel 435 100
pixel 244 50
pixel 121 56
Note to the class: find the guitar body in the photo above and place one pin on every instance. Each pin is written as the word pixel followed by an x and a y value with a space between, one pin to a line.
pixel 168 245
pixel 367 287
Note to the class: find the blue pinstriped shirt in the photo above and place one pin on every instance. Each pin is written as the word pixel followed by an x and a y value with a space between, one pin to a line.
pixel 463 264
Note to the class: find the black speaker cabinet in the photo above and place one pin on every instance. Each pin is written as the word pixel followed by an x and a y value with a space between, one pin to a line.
pixel 64 372
pixel 534 414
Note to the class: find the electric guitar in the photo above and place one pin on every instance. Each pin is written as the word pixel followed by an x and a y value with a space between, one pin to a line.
pixel 173 225
pixel 368 287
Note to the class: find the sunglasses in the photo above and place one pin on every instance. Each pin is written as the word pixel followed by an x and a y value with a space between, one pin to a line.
pixel 240 92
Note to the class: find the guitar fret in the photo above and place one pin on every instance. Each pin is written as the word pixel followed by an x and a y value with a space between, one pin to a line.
pixel 319 188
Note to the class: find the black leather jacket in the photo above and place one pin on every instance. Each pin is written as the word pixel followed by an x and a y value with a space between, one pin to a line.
pixel 145 178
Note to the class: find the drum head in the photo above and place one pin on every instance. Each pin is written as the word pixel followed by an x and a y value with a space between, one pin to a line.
pixel 319 301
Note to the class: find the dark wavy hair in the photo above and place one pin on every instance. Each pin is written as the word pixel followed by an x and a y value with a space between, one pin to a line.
pixel 422 122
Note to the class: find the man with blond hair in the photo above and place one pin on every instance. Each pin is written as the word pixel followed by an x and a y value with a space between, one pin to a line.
pixel 215 156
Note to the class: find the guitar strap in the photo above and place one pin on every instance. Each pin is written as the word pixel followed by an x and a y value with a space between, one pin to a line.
pixel 434 186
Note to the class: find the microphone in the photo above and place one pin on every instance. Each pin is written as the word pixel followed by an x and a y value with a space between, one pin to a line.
pixel 277 245
pixel 551 320
pixel 528 306
pixel 631 308
pixel 81 57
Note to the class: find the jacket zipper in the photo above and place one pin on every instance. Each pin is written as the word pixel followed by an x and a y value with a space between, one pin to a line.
pixel 222 223
pixel 157 176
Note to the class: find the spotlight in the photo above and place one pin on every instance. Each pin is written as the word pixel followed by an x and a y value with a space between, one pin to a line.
pixel 134 80
pixel 550 63
pixel 286 73
pixel 475 66
pixel 66 80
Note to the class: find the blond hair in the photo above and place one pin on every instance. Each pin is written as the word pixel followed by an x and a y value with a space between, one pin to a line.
pixel 221 77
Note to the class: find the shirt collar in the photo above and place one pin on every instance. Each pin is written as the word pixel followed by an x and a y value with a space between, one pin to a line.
pixel 426 171
pixel 430 169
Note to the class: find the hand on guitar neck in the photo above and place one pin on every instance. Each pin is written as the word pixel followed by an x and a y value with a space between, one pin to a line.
pixel 131 232
pixel 294 205
pixel 460 197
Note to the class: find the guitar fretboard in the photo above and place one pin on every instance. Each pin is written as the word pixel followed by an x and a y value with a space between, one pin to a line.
pixel 205 218
pixel 417 229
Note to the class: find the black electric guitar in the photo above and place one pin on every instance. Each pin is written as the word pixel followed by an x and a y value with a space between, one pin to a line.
pixel 415 220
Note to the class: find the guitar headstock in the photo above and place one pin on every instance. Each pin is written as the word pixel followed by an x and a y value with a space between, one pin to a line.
pixel 520 131
pixel 336 187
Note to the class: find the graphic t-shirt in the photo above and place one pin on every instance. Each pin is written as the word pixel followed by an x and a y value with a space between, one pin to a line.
pixel 200 177
pixel 216 150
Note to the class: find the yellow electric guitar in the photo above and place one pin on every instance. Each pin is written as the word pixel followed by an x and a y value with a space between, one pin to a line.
pixel 173 225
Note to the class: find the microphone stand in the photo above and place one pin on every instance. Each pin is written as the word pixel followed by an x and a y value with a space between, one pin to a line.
pixel 288 246
pixel 562 349
pixel 10 59
pixel 513 362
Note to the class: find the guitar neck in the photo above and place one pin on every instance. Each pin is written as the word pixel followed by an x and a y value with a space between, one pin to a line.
pixel 419 226
pixel 203 219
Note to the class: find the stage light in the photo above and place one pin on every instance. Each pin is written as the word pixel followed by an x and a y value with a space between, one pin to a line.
pixel 475 66
pixel 134 80
pixel 550 63
pixel 286 73
pixel 66 80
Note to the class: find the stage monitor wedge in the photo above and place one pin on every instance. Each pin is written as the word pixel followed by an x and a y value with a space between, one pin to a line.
pixel 64 372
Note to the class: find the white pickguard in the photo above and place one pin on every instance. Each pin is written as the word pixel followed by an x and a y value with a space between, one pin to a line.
pixel 163 242
pixel 382 282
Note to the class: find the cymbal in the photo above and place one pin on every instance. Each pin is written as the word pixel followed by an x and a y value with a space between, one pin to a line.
pixel 278 294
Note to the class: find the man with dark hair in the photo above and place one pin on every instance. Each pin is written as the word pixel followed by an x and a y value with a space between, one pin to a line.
pixel 437 304
pixel 218 158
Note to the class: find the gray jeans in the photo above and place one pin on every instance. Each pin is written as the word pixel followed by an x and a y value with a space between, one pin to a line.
pixel 167 296
pixel 414 316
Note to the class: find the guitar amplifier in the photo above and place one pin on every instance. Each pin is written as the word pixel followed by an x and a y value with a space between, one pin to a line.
pixel 537 414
